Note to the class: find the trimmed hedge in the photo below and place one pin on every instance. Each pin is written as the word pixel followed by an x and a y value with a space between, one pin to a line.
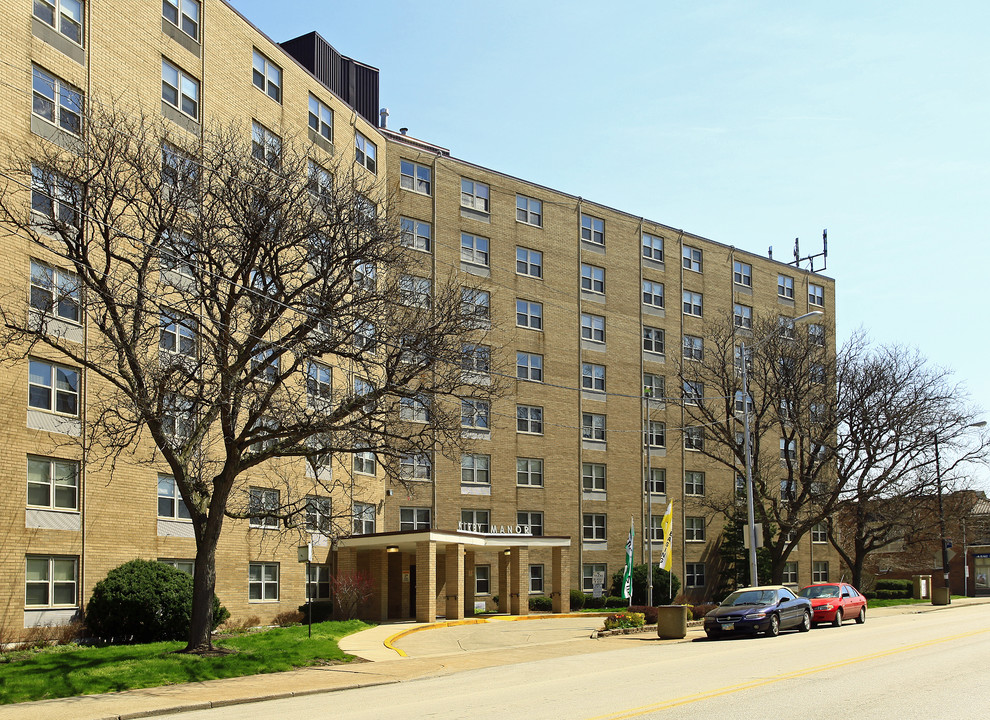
pixel 145 601
pixel 578 599
pixel 540 603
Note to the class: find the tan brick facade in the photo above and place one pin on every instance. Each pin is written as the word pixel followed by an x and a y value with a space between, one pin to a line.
pixel 115 517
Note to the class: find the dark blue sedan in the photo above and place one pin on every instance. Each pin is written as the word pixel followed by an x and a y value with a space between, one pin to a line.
pixel 766 610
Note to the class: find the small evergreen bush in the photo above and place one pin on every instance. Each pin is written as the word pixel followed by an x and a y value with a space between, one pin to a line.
pixel 144 601
pixel 616 602
pixel 540 603
pixel 578 599
pixel 594 603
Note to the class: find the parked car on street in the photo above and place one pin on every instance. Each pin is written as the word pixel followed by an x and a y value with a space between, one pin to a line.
pixel 766 609
pixel 835 602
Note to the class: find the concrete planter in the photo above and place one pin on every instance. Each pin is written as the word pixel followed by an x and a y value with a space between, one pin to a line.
pixel 672 621
pixel 940 596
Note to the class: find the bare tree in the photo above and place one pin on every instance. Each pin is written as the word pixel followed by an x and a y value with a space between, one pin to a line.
pixel 893 404
pixel 244 304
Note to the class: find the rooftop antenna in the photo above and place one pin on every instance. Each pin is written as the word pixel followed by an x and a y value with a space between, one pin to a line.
pixel 810 259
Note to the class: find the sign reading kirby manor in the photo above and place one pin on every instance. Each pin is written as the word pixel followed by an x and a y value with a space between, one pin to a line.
pixel 486 529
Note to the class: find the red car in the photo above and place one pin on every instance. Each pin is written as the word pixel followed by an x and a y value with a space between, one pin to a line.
pixel 835 602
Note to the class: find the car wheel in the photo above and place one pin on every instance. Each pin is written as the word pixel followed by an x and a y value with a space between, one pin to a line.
pixel 838 618
pixel 773 629
pixel 861 618
pixel 805 622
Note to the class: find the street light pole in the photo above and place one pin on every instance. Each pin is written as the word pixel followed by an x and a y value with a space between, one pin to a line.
pixel 750 512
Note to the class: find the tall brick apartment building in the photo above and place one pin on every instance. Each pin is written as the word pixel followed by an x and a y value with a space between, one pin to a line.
pixel 589 304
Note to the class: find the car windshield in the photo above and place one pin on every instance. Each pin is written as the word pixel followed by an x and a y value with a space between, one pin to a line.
pixel 820 591
pixel 751 597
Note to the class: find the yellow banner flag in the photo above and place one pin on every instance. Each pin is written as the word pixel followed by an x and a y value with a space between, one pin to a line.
pixel 666 561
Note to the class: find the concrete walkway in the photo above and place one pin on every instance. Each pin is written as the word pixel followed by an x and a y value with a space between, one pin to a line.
pixel 393 652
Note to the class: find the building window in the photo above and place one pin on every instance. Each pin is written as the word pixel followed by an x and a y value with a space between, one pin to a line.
pixel 529 472
pixel 816 295
pixel 266 146
pixel 785 287
pixel 593 426
pixel 694 438
pixel 819 571
pixel 656 481
pixel 184 566
pixel 694 529
pixel 656 434
pixel 55 199
pixel 476 358
pixel 529 262
pixel 536 579
pixel 653 293
pixel 694 575
pixel 55 292
pixel 592 229
pixel 474 521
pixel 474 249
pixel 694 482
pixel 178 335
pixel 265 365
pixel 365 152
pixel 531 519
pixel 415 291
pixel 66 16
pixel 788 449
pixel 267 76
pixel 180 90
pixel 694 348
pixel 816 373
pixel 365 462
pixel 320 118
pixel 475 414
pixel 790 576
pixel 414 519
pixel 593 377
pixel 53 388
pixel 318 582
pixel 414 409
pixel 653 340
pixel 262 506
pixel 476 469
pixel 593 526
pixel 742 273
pixel 588 572
pixel 738 403
pixel 742 316
pixel 177 418
pixel 416 234
pixel 320 183
pixel 319 519
pixel 482 579
pixel 819 533
pixel 656 528
pixel 57 102
pixel 364 518
pixel 263 582
pixel 654 386
pixel 529 366
pixel 652 247
pixel 52 483
pixel 816 335
pixel 415 467
pixel 50 581
pixel 529 314
pixel 415 177
pixel 170 502
pixel 529 210
pixel 691 258
pixel 474 195
pixel 319 385
pixel 692 303
pixel 593 477
pixel 693 392
pixel 592 278
pixel 476 306
pixel 592 327
pixel 529 419
pixel 184 14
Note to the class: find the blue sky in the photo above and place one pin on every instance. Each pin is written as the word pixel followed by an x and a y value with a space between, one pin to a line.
pixel 750 123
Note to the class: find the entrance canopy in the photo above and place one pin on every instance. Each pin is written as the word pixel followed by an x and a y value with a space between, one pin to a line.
pixel 407 540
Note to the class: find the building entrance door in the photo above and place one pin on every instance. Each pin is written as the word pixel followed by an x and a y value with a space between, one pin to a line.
pixel 981 579
pixel 412 591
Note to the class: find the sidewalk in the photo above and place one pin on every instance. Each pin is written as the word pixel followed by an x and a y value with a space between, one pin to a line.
pixel 435 649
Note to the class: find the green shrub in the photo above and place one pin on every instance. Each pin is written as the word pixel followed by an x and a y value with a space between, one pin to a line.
pixel 578 599
pixel 540 603
pixel 895 588
pixel 665 585
pixel 624 620
pixel 616 602
pixel 322 611
pixel 144 601
pixel 594 603
pixel 699 611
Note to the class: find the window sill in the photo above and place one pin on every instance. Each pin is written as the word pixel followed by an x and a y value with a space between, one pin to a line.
pixel 472 489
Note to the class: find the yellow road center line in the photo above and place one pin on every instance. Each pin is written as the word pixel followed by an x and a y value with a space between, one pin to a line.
pixel 728 690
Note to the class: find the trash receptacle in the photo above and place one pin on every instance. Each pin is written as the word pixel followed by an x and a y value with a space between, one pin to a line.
pixel 940 596
pixel 672 621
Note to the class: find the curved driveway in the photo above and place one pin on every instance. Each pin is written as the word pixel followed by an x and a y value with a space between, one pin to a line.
pixel 497 634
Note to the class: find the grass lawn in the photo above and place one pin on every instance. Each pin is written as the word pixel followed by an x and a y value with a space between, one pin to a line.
pixel 70 670
pixel 890 602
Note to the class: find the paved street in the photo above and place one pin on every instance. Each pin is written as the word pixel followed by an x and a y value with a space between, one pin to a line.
pixel 896 665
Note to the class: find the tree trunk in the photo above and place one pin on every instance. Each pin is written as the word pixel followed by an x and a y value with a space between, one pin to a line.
pixel 204 584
